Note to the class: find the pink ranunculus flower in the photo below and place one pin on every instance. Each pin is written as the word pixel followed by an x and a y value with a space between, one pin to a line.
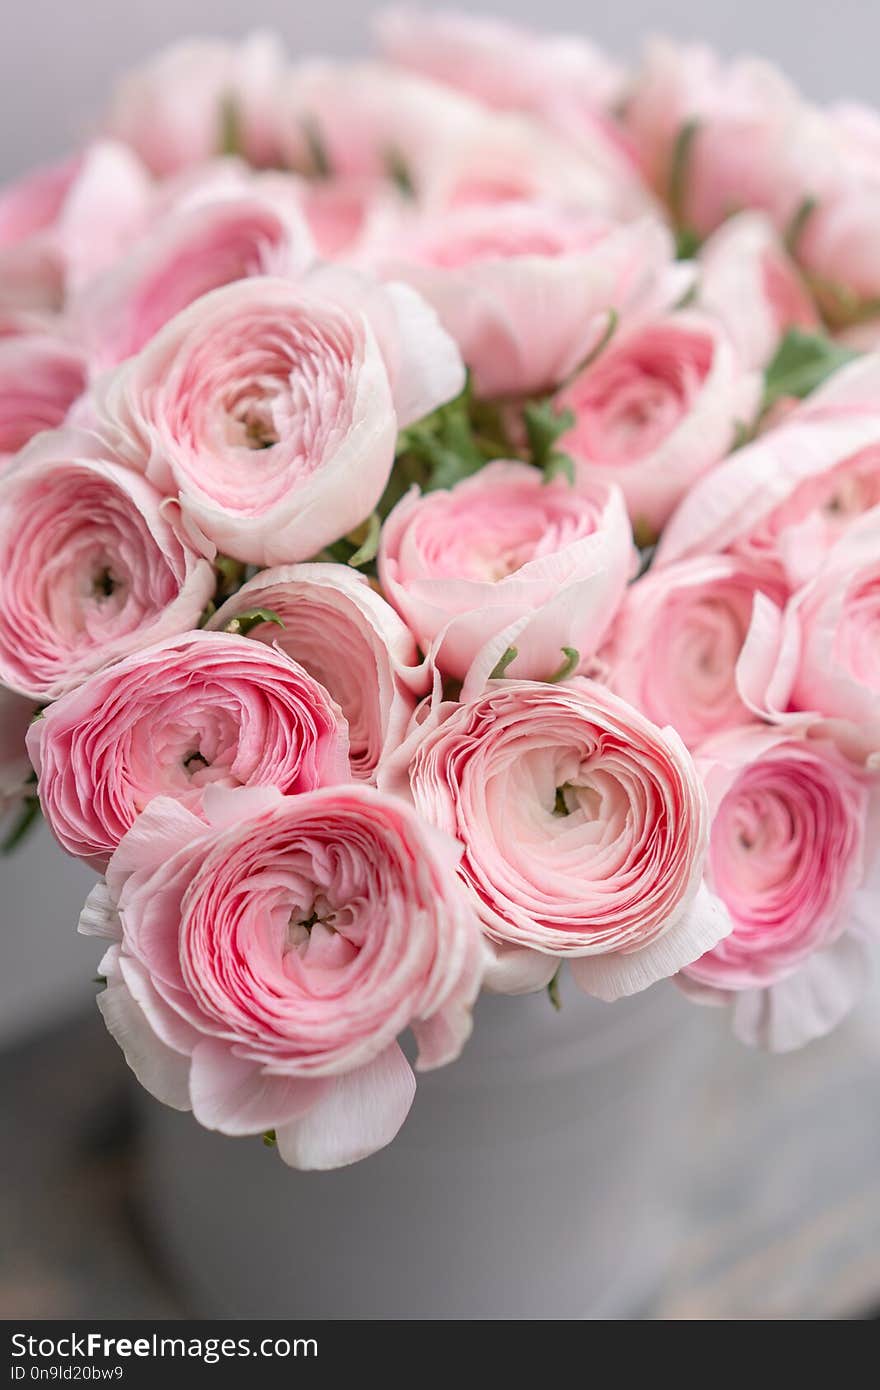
pixel 493 271
pixel 657 408
pixel 585 830
pixel 563 81
pixel 41 376
pixel 92 565
pixel 792 493
pixel 272 408
pixel 501 64
pixel 834 622
pixel 371 121
pixel 749 282
pixel 61 224
pixel 197 711
pixel 347 925
pixel 194 248
pixel 754 144
pixel 696 644
pixel 16 713
pixel 31 276
pixel 506 559
pixel 350 639
pixel 787 858
pixel 197 97
pixel 837 245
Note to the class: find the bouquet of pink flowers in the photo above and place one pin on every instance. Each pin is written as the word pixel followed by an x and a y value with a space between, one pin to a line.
pixel 440 546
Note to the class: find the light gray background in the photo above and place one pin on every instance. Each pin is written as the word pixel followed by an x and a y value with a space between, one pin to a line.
pixel 59 56
pixel 57 62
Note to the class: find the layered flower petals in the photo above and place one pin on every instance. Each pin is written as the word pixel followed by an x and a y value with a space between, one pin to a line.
pixel 350 639
pixel 272 408
pixel 557 793
pixel 202 710
pixel 92 565
pixel 505 554
pixel 346 923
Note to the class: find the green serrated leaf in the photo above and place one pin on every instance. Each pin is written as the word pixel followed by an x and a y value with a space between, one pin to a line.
pixel 802 362
pixel 559 465
pixel 569 666
pixel 366 551
pixel 545 423
pixel 245 622
pixel 501 666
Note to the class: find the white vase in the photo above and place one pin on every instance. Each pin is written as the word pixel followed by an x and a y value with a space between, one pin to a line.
pixel 535 1178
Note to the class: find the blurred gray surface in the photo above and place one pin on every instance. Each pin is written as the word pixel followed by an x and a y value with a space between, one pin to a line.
pixel 781 1218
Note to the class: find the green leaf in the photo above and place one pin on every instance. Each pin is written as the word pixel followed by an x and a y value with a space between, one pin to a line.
pixel 230 142
pixel 366 551
pixel 559 465
pixel 569 666
pixel 553 992
pixel 545 423
pixel 501 666
pixel 270 1138
pixel 802 362
pixel 796 226
pixel 398 172
pixel 99 980
pixel 22 825
pixel 687 244
pixel 679 169
pixel 243 623
pixel 319 160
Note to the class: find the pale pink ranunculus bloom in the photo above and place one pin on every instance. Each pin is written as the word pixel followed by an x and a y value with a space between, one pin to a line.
pixel 696 644
pixel 371 121
pixel 585 829
pixel 61 224
pixel 348 637
pixel 41 376
pixel 31 276
pixel 837 245
pixel 202 710
pixel 342 912
pixel 178 109
pixel 198 246
pixel 561 80
pixel 834 622
pixel 756 143
pixel 272 407
pixel 505 559
pixel 658 407
pixel 92 565
pixel 793 492
pixel 526 288
pixel 748 281
pixel 497 62
pixel 788 858
pixel 16 713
